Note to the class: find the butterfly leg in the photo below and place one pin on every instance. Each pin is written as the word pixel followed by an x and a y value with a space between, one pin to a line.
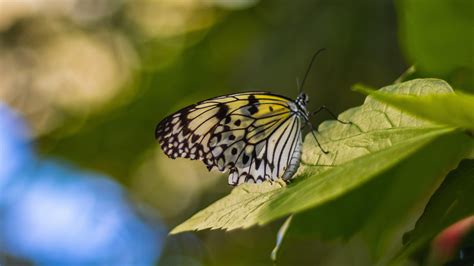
pixel 330 113
pixel 319 144
pixel 315 138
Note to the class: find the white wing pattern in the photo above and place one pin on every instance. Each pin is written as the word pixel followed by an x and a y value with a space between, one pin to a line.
pixel 256 136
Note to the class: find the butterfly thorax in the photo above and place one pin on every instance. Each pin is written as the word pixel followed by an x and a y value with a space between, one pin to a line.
pixel 300 104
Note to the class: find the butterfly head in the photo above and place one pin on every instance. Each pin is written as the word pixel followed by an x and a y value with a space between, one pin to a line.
pixel 302 100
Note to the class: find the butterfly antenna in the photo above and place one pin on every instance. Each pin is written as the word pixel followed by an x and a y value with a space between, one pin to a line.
pixel 309 68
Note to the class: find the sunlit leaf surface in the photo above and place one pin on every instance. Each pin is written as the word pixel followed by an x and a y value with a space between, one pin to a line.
pixel 452 109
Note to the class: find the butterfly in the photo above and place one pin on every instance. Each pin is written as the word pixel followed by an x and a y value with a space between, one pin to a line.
pixel 255 136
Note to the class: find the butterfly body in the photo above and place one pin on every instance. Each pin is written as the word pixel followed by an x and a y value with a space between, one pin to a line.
pixel 255 136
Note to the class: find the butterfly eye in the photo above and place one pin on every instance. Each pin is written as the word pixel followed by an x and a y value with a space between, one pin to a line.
pixel 304 98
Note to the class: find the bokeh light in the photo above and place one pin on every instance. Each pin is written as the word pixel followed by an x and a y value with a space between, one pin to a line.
pixel 157 173
pixel 168 18
pixel 55 214
pixel 65 216
pixel 15 151
pixel 78 10
pixel 81 72
pixel 67 73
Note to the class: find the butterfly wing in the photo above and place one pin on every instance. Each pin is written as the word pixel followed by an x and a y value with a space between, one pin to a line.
pixel 252 135
pixel 270 157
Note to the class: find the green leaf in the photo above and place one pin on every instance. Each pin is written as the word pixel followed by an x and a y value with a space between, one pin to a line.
pixel 233 211
pixel 407 187
pixel 437 36
pixel 382 208
pixel 452 109
pixel 388 205
pixel 379 138
pixel 451 202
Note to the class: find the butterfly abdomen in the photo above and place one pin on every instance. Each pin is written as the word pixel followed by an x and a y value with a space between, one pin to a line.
pixel 295 159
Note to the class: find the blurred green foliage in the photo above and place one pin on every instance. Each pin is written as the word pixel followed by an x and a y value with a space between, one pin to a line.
pixel 438 37
pixel 451 202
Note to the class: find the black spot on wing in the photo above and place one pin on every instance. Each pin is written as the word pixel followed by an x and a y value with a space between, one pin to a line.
pixel 162 128
pixel 252 100
pixel 186 130
pixel 195 137
pixel 253 109
pixel 245 158
pixel 222 111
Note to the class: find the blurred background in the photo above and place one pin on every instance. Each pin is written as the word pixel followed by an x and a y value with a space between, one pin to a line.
pixel 84 83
